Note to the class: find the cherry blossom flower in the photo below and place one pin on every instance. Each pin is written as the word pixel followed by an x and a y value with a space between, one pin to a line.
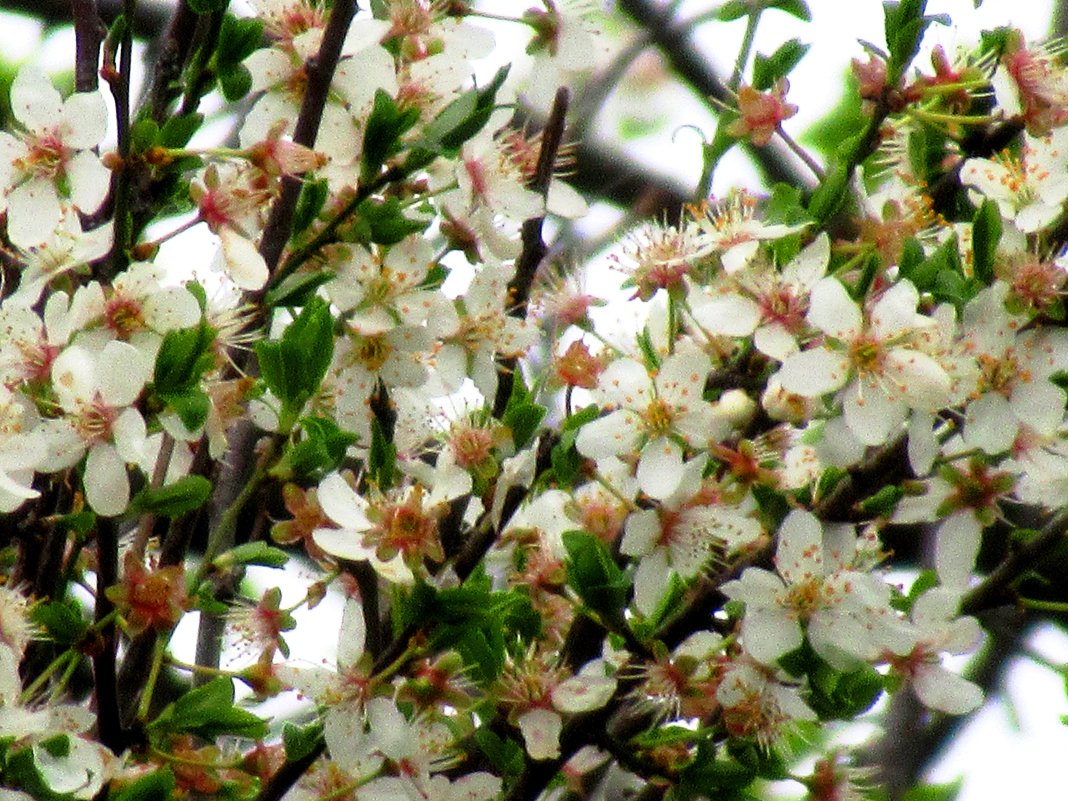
pixel 657 416
pixel 64 248
pixel 51 166
pixel 22 449
pixel 757 705
pixel 96 389
pixel 536 693
pixel 964 500
pixel 764 303
pixel 683 535
pixel 1012 384
pixel 816 593
pixel 1030 190
pixel 731 231
pixel 1031 82
pixel 880 359
pixel 917 659
pixel 761 113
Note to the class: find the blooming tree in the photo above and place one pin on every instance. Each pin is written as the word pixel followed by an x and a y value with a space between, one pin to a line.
pixel 575 559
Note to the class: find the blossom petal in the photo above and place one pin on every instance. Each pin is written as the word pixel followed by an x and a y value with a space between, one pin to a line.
pixel 611 435
pixel 767 635
pixel 660 468
pixel 541 732
pixel 107 489
pixel 947 692
pixel 815 372
pixel 832 310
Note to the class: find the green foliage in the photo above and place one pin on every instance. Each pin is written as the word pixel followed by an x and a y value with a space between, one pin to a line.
pixel 382 136
pixel 462 119
pixel 934 792
pixel 565 459
pixel 521 414
pixel 300 741
pixel 713 774
pixel 882 503
pixel 183 358
pixel 208 712
pixel 310 202
pixel 62 622
pixel 383 222
pixel 154 786
pixel 505 754
pixel 472 619
pixel 986 233
pixel 905 23
pixel 294 365
pixel 768 69
pixel 296 289
pixel 321 449
pixel 594 575
pixel 252 553
pixel 840 123
pixel 238 38
pixel 382 457
pixel 207 6
pixel 172 500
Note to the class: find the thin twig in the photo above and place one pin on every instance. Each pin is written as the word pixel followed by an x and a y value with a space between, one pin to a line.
pixel 89 34
pixel 534 248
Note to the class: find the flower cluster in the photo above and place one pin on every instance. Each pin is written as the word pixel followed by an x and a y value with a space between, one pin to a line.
pixel 563 545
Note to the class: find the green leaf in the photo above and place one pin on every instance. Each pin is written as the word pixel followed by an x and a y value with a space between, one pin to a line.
pixel 252 553
pixel 179 129
pixel 143 135
pixel 294 365
pixel 463 118
pixel 840 123
pixel 312 197
pixel 383 222
pixel 61 621
pixel 191 406
pixel 521 415
pixel 155 786
pixel 386 125
pixel 505 754
pixel 986 233
pixel 300 741
pixel 208 712
pixel 297 289
pixel 207 6
pixel 172 500
pixel 732 10
pixel 382 457
pixel 768 69
pixel 843 696
pixel 882 503
pixel 594 575
pixel 934 792
pixel 321 450
pixel 183 357
pixel 796 8
pixel 238 38
pixel 914 265
pixel 234 82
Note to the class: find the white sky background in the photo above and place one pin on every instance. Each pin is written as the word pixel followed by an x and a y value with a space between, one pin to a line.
pixel 1013 748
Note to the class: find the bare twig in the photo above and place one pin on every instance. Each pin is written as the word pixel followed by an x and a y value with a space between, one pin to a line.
pixel 89 33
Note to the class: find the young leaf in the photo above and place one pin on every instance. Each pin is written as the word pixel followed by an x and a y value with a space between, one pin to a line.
pixel 768 69
pixel 986 233
pixel 209 712
pixel 172 500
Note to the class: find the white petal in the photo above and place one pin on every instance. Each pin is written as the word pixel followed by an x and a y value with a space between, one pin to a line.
pixel 564 201
pixel 33 213
pixel 947 692
pixel 956 547
pixel 767 635
pixel 895 312
pixel 86 118
pixel 541 733
pixel 800 552
pixel 1040 405
pixel 342 543
pixel 815 372
pixel 991 426
pixel 89 181
pixel 659 468
pixel 832 310
pixel 584 692
pixel 353 634
pixel 651 581
pixel 609 436
pixel 871 415
pixel 727 314
pixel 775 341
pixel 107 488
pixel 641 533
pixel 342 504
pixel 810 265
pixel 244 264
pixel 122 371
pixel 34 100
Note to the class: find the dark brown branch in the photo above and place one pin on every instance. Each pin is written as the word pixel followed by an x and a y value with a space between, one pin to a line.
pixel 691 66
pixel 89 32
pixel 175 48
pixel 109 727
pixel 149 18
pixel 320 71
pixel 996 589
pixel 526 266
